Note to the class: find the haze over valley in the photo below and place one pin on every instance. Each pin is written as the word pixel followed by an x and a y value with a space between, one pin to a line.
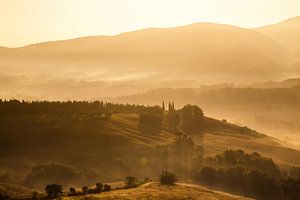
pixel 157 106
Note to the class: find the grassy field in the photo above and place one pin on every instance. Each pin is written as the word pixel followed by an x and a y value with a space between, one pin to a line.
pixel 155 191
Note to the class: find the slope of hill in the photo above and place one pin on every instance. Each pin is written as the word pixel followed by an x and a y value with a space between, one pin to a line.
pixel 286 33
pixel 13 190
pixel 51 139
pixel 288 83
pixel 192 51
pixel 271 107
pixel 156 191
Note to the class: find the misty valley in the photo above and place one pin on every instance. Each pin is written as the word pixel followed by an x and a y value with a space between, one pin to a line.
pixel 200 111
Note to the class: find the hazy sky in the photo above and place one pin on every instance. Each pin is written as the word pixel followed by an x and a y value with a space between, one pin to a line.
pixel 29 21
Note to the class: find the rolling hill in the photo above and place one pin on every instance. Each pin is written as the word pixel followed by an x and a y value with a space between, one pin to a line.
pixel 285 33
pixel 269 107
pixel 54 139
pixel 156 192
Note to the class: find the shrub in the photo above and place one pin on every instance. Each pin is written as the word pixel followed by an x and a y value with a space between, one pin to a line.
pixel 34 195
pixel 130 182
pixel 207 175
pixel 106 187
pixel 167 178
pixel 72 191
pixel 85 190
pixel 99 187
pixel 53 190
pixel 192 118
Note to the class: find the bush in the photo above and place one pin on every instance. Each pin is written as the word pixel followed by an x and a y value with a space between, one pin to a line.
pixel 85 190
pixel 53 190
pixel 99 187
pixel 207 175
pixel 130 182
pixel 167 178
pixel 192 118
pixel 72 191
pixel 106 188
pixel 34 195
pixel 96 190
pixel 262 186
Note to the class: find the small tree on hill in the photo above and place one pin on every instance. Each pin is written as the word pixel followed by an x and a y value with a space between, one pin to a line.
pixel 34 195
pixel 72 191
pixel 53 190
pixel 85 190
pixel 130 182
pixel 167 178
pixel 99 187
pixel 106 187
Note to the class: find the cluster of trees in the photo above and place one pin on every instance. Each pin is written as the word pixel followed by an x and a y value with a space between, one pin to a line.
pixel 253 161
pixel 253 183
pixel 192 118
pixel 247 174
pixel 188 119
pixel 86 190
pixel 42 174
pixel 16 106
pixel 167 178
pixel 53 190
pixel 131 182
pixel 56 190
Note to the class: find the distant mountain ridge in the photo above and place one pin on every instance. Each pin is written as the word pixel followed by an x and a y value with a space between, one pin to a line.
pixel 201 48
pixel 285 33
pixel 200 53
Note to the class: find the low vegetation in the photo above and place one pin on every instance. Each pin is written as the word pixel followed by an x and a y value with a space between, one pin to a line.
pixel 167 178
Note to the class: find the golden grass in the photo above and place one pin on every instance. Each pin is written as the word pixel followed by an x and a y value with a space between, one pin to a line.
pixel 155 191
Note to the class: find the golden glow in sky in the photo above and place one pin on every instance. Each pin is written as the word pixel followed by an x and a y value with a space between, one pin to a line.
pixel 24 22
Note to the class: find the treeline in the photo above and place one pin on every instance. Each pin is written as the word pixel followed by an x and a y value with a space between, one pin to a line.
pixel 249 175
pixel 16 106
pixel 188 119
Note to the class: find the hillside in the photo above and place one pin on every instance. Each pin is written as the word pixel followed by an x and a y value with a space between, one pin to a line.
pixel 269 107
pixel 14 190
pixel 157 192
pixel 102 148
pixel 285 33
